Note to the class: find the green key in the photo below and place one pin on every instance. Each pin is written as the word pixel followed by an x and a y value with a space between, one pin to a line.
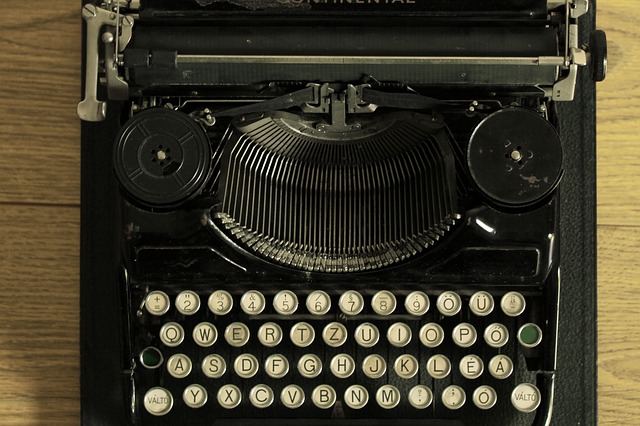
pixel 529 335
pixel 151 357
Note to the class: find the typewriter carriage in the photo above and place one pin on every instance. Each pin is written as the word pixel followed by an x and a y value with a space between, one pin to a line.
pixel 132 67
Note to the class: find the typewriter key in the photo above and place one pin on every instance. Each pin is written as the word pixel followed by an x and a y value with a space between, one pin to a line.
pixel 356 396
pixel 388 396
pixel 252 302
pixel 334 334
pixel 417 303
pixel 220 302
pixel 237 334
pixel 481 303
pixel 229 396
pixel 157 303
pixel 158 401
pixel 464 335
pixel 374 366
pixel 195 396
pixel 270 334
pixel 309 366
pixel 399 334
pixel 302 334
pixel 318 302
pixel 431 335
pixel 529 335
pixel 205 334
pixel 383 302
pixel 500 367
pixel 406 366
pixel 496 335
pixel 515 157
pixel 162 157
pixel 367 335
pixel 285 302
pixel 471 366
pixel 214 366
pixel 485 397
pixel 438 366
pixel 292 396
pixel 420 396
pixel 449 303
pixel 188 302
pixel 179 366
pixel 276 366
pixel 261 396
pixel 342 366
pixel 526 397
pixel 246 366
pixel 453 397
pixel 323 396
pixel 513 303
pixel 172 334
pixel 351 302
pixel 151 357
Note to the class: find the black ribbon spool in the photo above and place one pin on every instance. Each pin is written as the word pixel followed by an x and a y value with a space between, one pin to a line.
pixel 515 157
pixel 162 157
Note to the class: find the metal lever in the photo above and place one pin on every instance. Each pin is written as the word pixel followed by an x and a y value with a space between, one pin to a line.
pixel 92 109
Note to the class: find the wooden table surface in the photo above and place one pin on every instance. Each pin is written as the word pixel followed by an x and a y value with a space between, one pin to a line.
pixel 40 214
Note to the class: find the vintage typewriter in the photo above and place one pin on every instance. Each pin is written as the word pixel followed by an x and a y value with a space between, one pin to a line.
pixel 324 212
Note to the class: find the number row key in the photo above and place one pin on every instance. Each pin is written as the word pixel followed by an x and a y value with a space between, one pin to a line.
pixel 318 302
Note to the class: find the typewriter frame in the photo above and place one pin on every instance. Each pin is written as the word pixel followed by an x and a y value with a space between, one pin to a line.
pixel 101 195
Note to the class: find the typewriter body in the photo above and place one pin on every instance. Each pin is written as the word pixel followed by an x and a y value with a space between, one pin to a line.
pixel 332 212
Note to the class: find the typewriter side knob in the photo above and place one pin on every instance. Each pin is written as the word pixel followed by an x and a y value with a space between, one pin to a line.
pixel 162 157
pixel 515 157
pixel 598 51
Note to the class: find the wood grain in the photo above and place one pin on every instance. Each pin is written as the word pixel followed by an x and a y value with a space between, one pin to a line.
pixel 39 220
pixel 618 125
pixel 40 74
pixel 619 204
pixel 618 336
pixel 39 317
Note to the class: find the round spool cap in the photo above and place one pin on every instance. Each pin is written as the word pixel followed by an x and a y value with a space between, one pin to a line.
pixel 515 157
pixel 162 157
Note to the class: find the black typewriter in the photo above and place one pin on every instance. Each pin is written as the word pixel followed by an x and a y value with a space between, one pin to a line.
pixel 324 212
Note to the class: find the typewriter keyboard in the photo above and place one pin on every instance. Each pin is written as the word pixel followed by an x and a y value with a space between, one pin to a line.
pixel 342 353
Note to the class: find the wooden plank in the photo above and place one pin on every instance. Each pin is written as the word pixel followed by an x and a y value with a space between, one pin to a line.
pixel 40 75
pixel 39 315
pixel 618 334
pixel 618 204
pixel 618 124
